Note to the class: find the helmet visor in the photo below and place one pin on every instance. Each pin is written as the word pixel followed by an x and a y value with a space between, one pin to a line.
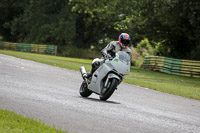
pixel 126 42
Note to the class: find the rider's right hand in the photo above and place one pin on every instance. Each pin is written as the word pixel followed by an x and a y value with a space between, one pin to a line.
pixel 107 56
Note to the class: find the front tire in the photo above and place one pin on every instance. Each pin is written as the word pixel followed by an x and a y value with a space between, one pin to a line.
pixel 84 91
pixel 105 94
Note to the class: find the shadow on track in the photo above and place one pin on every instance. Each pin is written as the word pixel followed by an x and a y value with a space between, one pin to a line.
pixel 97 100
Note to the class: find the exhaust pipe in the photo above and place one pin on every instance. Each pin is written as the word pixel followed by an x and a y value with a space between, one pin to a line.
pixel 83 72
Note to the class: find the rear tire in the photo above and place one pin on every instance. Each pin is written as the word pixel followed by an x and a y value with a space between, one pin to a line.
pixel 109 90
pixel 84 91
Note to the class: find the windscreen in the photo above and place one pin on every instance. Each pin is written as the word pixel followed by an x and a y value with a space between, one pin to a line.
pixel 123 56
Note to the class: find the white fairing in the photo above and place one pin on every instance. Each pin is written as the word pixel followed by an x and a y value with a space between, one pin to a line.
pixel 120 65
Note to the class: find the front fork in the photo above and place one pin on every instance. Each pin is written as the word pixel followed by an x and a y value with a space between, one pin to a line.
pixel 112 75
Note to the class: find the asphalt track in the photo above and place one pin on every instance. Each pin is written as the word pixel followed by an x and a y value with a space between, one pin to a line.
pixel 51 94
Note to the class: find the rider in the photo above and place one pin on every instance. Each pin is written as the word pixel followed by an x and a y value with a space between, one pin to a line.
pixel 109 51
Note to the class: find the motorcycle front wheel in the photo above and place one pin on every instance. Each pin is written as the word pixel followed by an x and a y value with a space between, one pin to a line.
pixel 108 91
pixel 84 91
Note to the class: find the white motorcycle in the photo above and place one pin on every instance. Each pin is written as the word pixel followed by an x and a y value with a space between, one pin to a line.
pixel 107 77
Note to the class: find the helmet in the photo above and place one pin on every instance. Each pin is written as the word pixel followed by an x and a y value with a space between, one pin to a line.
pixel 124 40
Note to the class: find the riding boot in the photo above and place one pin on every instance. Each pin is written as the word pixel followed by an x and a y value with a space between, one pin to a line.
pixel 89 74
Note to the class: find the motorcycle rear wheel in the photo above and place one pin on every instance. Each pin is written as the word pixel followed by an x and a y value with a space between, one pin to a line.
pixel 104 95
pixel 84 91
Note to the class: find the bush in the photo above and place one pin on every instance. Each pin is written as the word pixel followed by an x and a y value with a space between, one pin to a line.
pixel 73 51
pixel 144 48
pixel 137 59
pixel 160 48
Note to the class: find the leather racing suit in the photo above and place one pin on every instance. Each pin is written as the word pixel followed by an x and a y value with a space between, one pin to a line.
pixel 112 48
pixel 108 52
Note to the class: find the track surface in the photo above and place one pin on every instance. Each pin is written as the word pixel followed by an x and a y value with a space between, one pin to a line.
pixel 51 94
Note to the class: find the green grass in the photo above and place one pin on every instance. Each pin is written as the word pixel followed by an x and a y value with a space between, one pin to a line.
pixel 13 123
pixel 64 62
pixel 178 85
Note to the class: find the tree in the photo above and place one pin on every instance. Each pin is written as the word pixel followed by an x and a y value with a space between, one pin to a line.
pixel 175 24
pixel 184 36
pixel 45 21
pixel 94 21
pixel 9 10
pixel 171 26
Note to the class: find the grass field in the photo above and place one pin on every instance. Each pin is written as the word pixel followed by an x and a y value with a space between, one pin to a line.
pixel 12 123
pixel 178 85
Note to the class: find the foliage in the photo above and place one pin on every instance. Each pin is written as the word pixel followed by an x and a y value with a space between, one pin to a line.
pixel 137 58
pixel 94 22
pixel 9 9
pixel 73 51
pixel 175 24
pixel 45 21
pixel 145 48
pixel 171 26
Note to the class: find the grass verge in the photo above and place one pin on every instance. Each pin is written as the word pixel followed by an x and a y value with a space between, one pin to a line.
pixel 178 85
pixel 13 123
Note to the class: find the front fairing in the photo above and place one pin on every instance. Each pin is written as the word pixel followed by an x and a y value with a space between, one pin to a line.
pixel 121 63
pixel 120 67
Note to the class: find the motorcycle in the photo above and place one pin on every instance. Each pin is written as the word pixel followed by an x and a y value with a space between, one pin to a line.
pixel 107 77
